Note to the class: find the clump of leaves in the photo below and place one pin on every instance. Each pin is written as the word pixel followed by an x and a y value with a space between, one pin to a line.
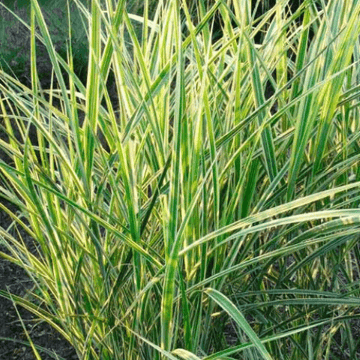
pixel 225 182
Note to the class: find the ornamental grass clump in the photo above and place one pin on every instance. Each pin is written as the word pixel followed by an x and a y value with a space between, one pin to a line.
pixel 213 212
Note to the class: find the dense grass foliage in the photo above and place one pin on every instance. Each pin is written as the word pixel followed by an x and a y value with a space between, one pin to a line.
pixel 212 213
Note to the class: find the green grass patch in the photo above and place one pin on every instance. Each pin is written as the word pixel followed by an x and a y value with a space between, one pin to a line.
pixel 212 211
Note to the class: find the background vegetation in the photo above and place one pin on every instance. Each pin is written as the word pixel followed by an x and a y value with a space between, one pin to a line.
pixel 211 212
pixel 15 36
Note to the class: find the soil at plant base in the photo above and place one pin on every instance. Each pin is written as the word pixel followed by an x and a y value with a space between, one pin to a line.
pixel 14 279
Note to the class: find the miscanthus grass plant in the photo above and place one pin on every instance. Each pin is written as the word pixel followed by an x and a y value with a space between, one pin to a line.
pixel 212 213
